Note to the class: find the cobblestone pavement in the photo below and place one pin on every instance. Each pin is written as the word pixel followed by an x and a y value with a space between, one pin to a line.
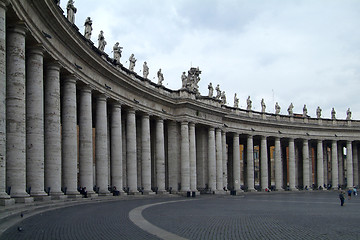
pixel 315 215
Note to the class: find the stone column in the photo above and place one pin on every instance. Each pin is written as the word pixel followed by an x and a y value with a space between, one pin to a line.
pixel 356 164
pixel 35 122
pixel 349 165
pixel 131 152
pixel 4 197
pixel 334 166
pixel 225 160
pixel 341 164
pixel 86 140
pixel 174 153
pixel 185 163
pixel 101 151
pixel 160 156
pixel 236 162
pixel 320 164
pixel 212 159
pixel 145 154
pixel 278 165
pixel 116 149
pixel 192 156
pixel 69 137
pixel 250 163
pixel 52 134
pixel 15 113
pixel 306 166
pixel 264 164
pixel 292 178
pixel 219 164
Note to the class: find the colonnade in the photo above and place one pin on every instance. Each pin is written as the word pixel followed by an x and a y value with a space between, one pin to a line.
pixel 60 131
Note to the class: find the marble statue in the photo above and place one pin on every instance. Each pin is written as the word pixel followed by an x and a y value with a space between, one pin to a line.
pixel 333 114
pixel 160 77
pixel 263 106
pixel 184 80
pixel 348 114
pixel 290 110
pixel 223 97
pixel 193 79
pixel 132 61
pixel 218 92
pixel 88 28
pixel 117 52
pixel 236 101
pixel 101 41
pixel 145 70
pixel 305 111
pixel 318 112
pixel 277 108
pixel 248 104
pixel 57 2
pixel 211 90
pixel 71 10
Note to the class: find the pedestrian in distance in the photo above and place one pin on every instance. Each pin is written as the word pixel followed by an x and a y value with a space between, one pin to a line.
pixel 349 193
pixel 342 198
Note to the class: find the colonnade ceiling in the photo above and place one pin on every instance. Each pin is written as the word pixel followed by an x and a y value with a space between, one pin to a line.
pixel 64 43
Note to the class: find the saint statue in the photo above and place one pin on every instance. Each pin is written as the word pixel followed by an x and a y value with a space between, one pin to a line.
pixel 248 104
pixel 236 101
pixel 333 114
pixel 211 90
pixel 263 106
pixel 132 61
pixel 218 92
pixel 117 52
pixel 348 114
pixel 290 110
pixel 160 77
pixel 318 112
pixel 71 10
pixel 223 97
pixel 88 28
pixel 277 108
pixel 145 70
pixel 305 111
pixel 184 80
pixel 101 41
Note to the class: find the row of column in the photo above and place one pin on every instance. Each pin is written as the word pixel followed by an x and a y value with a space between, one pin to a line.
pixel 321 170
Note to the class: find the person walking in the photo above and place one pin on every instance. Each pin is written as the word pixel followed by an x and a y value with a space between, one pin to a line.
pixel 349 193
pixel 342 198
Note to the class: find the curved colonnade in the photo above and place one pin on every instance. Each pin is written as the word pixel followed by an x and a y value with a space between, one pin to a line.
pixel 72 118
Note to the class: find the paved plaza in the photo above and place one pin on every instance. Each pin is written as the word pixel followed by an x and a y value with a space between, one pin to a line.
pixel 250 216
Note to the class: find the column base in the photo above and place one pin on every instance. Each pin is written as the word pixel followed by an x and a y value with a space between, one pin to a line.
pixel 251 190
pixel 7 201
pixel 294 189
pixel 104 194
pixel 134 193
pixel 24 199
pixel 58 197
pixel 162 192
pixel 76 196
pixel 42 198
pixel 148 192
pixel 220 192
pixel 279 190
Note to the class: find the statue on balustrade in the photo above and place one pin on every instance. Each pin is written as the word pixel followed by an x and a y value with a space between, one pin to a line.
pixel 160 77
pixel 101 41
pixel 71 10
pixel 277 108
pixel 318 112
pixel 145 70
pixel 184 80
pixel 263 106
pixel 223 97
pixel 333 114
pixel 211 90
pixel 236 101
pixel 348 114
pixel 57 2
pixel 290 110
pixel 132 61
pixel 305 111
pixel 88 28
pixel 218 92
pixel 248 104
pixel 117 52
pixel 193 79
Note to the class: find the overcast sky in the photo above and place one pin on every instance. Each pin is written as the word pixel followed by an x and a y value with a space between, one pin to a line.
pixel 293 51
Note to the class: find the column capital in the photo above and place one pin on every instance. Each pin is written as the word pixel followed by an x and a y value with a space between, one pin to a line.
pixel 218 130
pixel 184 123
pixel 71 78
pixel 52 65
pixel 263 137
pixel 87 88
pixel 4 3
pixel 130 111
pixel 191 124
pixel 18 27
pixel 101 97
pixel 37 48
